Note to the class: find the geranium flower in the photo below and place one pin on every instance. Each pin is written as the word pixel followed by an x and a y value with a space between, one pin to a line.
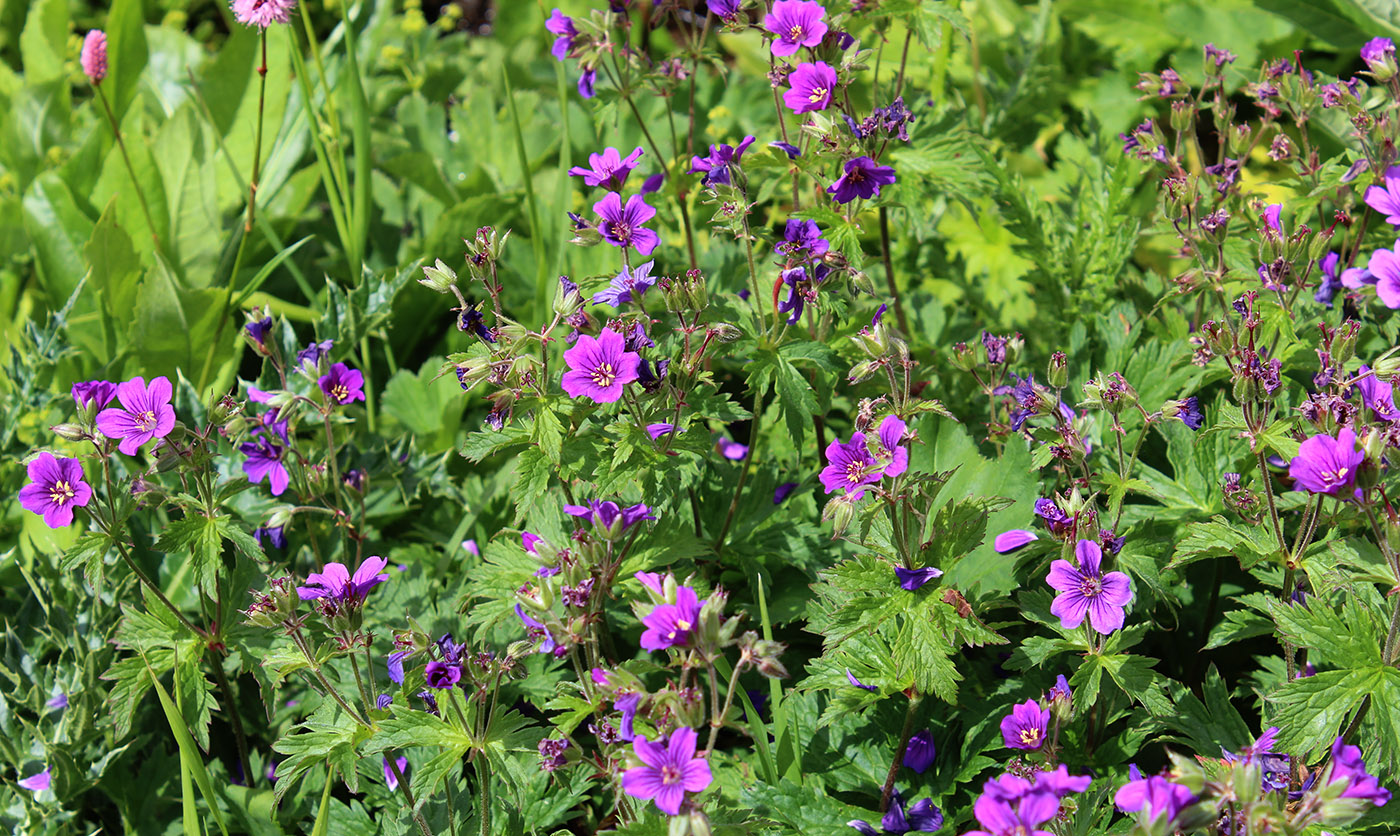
pixel 923 817
pixel 1086 591
pixel 716 166
pixel 335 582
pixel 811 87
pixel 1024 727
pixel 55 488
pixel 608 169
pixel 670 625
pixel 1155 793
pixel 1348 766
pixel 621 225
pixel 562 25
pixel 795 24
pixel 599 368
pixel 668 771
pixel 342 385
pixel 920 751
pixel 627 286
pixel 862 178
pixel 145 413
pixel 1326 465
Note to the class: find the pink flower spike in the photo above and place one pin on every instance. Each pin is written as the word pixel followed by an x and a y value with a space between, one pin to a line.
pixel 94 56
pixel 262 13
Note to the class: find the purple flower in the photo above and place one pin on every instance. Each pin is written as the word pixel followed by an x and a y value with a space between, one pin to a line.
pixel 863 179
pixel 670 625
pixel 891 434
pixel 731 449
pixel 1188 410
pixel 1010 541
pixel 312 354
pixel 1377 53
pixel 850 467
pixel 627 286
pixel 919 753
pixel 55 488
pixel 913 579
pixel 537 630
pixel 1055 519
pixel 58 702
pixel 1059 692
pixel 795 24
pixel 716 165
pixel 551 751
pixel 1377 395
pixel 585 84
pixel 923 817
pixel 1024 727
pixel 608 169
pixel 621 225
pixel 145 413
pixel 94 393
pixel 724 9
pixel 441 674
pixel 394 665
pixel 1385 198
pixel 342 385
pixel 1271 218
pixel 659 429
pixel 783 491
pixel 1326 465
pixel 627 704
pixel 1384 266
pixel 274 534
pixel 335 582
pixel 1331 283
pixel 390 779
pixel 1059 782
pixel 599 368
pixel 562 25
pixel 610 517
pixel 1012 806
pixel 1348 766
pixel 257 331
pixel 265 461
pixel 810 87
pixel 1155 793
pixel 1085 590
pixel 803 241
pixel 668 771
pixel 38 782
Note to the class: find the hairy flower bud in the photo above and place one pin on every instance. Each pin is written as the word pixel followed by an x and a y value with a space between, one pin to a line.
pixel 439 277
pixel 1344 343
pixel 1057 373
pixel 71 432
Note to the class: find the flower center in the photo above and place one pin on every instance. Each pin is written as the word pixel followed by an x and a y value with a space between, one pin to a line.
pixel 855 175
pixel 855 471
pixel 670 774
pixel 339 392
pixel 1030 737
pixel 61 492
pixel 1335 476
pixel 621 231
pixel 146 420
pixel 603 374
pixel 817 94
pixel 1091 587
pixel 795 33
pixel 683 625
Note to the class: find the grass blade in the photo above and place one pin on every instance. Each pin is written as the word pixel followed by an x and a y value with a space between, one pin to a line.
pixel 536 229
pixel 191 762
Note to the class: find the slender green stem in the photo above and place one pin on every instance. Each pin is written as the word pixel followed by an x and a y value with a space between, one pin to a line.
pixel 1269 495
pixel 898 761
pixel 483 779
pixel 130 169
pixel 743 471
pixel 717 720
pixel 408 795
pixel 889 270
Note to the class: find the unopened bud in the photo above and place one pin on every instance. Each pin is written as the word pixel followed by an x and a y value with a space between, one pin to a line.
pixel 1344 344
pixel 439 277
pixel 1057 373
pixel 839 512
pixel 71 432
pixel 724 332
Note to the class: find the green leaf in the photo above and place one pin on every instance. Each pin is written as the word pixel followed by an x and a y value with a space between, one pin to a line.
pixel 201 538
pixel 1220 538
pixel 189 755
pixel 407 728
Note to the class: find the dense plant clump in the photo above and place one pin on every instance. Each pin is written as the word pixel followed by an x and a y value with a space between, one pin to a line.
pixel 829 426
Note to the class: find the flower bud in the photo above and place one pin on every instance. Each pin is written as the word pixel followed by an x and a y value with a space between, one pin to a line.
pixel 964 358
pixel 1239 138
pixel 724 332
pixel 1057 373
pixel 1344 343
pixel 439 277
pixel 567 299
pixel 839 512
pixel 863 370
pixel 71 432
pixel 1183 115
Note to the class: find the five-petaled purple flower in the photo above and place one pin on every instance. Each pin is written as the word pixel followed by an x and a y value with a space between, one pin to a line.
pixel 562 25
pixel 1024 727
pixel 610 517
pixel 1011 806
pixel 627 286
pixel 863 179
pixel 264 461
pixel 670 625
pixel 55 488
pixel 1379 55
pixel 342 385
pixel 850 467
pixel 716 165
pixel 795 24
pixel 1326 465
pixel 145 413
pixel 803 241
pixel 335 582
pixel 811 87
pixel 923 817
pixel 669 770
pixel 608 169
pixel 599 368
pixel 1377 395
pixel 441 675
pixel 1086 591
pixel 621 225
